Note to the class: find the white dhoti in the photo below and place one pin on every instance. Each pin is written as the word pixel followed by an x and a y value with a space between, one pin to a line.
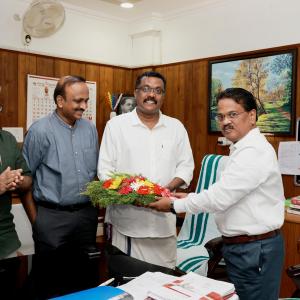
pixel 159 251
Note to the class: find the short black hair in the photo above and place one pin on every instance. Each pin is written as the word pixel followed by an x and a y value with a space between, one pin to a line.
pixel 150 74
pixel 240 96
pixel 60 89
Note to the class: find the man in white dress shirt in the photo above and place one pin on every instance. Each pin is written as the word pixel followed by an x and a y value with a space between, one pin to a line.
pixel 248 201
pixel 149 143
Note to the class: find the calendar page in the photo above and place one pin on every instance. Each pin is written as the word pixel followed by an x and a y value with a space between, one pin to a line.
pixel 40 100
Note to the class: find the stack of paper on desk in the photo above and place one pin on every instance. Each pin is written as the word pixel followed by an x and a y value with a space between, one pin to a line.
pixel 159 286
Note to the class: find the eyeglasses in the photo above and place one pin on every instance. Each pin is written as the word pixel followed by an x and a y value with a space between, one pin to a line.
pixel 232 115
pixel 148 89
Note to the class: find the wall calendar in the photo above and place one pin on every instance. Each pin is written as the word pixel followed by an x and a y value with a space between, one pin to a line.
pixel 40 100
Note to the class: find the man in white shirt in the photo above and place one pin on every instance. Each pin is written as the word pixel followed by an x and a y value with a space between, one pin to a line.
pixel 149 143
pixel 248 201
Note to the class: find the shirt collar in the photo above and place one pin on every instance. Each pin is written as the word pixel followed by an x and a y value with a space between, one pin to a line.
pixel 62 122
pixel 135 120
pixel 244 140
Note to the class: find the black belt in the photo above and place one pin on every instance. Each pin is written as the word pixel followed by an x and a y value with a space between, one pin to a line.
pixel 56 206
pixel 240 239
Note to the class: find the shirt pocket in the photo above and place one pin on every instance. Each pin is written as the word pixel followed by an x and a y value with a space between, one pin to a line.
pixel 167 150
pixel 90 159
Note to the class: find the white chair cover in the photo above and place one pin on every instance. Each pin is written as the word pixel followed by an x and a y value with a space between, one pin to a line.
pixel 198 229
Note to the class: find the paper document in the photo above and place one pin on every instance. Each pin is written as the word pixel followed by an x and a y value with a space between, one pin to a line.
pixel 158 286
pixel 289 158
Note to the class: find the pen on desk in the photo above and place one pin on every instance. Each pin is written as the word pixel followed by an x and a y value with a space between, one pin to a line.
pixel 107 282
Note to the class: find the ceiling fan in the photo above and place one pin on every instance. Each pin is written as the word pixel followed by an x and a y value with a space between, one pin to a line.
pixel 43 18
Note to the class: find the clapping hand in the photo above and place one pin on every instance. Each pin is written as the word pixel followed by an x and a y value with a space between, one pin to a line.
pixel 10 180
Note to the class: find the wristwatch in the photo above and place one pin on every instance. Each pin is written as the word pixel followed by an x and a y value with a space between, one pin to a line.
pixel 172 210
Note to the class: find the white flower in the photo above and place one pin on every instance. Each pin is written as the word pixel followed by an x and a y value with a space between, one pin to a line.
pixel 135 185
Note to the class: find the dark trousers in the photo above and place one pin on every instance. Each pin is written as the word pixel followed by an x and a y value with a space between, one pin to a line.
pixel 255 268
pixel 63 243
pixel 8 278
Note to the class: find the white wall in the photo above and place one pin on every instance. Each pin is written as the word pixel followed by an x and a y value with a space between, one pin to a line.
pixel 84 37
pixel 222 27
pixel 230 26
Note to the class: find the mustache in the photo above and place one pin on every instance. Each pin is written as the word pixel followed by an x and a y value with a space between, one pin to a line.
pixel 80 109
pixel 150 98
pixel 229 126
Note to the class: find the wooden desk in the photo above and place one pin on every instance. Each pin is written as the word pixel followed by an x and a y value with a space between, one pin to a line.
pixel 291 234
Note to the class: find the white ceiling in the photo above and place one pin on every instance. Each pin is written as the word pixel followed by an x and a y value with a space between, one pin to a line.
pixel 142 8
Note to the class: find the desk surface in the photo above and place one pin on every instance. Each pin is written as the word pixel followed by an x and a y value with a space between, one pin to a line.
pixel 292 218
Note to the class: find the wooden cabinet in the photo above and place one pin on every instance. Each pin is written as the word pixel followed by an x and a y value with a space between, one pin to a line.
pixel 291 234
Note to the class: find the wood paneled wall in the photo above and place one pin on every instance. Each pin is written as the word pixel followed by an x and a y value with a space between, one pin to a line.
pixel 186 95
pixel 14 67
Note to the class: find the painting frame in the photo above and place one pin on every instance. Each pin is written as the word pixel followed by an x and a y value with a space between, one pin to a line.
pixel 132 104
pixel 274 91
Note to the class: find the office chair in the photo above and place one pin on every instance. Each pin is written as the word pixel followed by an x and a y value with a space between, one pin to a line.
pixel 294 273
pixel 199 243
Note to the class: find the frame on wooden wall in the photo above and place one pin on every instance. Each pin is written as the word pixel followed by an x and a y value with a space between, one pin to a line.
pixel 127 104
pixel 269 76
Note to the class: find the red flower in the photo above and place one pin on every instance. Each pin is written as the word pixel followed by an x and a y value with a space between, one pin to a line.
pixel 157 189
pixel 143 190
pixel 127 181
pixel 106 184
pixel 125 190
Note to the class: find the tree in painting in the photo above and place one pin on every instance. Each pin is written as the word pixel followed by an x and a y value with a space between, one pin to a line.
pixel 268 78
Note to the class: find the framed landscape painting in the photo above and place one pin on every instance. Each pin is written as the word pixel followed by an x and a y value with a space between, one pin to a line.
pixel 269 77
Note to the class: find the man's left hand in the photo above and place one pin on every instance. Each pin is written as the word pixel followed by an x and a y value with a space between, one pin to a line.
pixel 162 204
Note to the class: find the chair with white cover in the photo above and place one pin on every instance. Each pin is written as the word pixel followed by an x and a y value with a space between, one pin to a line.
pixel 198 230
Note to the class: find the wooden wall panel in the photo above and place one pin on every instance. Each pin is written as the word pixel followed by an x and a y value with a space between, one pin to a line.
pixel 9 91
pixel 61 67
pixel 186 95
pixel 45 66
pixel 119 81
pixel 105 85
pixel 77 68
pixel 26 65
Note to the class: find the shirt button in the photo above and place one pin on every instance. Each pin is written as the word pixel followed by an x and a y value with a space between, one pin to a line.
pixel 78 171
pixel 76 153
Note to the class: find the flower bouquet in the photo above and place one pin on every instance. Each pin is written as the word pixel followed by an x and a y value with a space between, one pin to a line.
pixel 123 188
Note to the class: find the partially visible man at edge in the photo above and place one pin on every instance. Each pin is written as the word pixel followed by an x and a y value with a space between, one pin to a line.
pixel 149 143
pixel 61 150
pixel 14 177
pixel 248 201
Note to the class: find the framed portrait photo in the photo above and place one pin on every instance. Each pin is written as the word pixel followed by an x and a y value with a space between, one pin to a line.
pixel 127 104
pixel 270 77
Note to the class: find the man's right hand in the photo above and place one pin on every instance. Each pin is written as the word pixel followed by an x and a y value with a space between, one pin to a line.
pixel 9 179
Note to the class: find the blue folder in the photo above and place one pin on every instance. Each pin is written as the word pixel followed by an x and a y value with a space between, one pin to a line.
pixel 99 293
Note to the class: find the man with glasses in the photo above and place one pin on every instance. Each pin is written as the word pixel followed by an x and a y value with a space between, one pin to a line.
pixel 248 201
pixel 149 143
